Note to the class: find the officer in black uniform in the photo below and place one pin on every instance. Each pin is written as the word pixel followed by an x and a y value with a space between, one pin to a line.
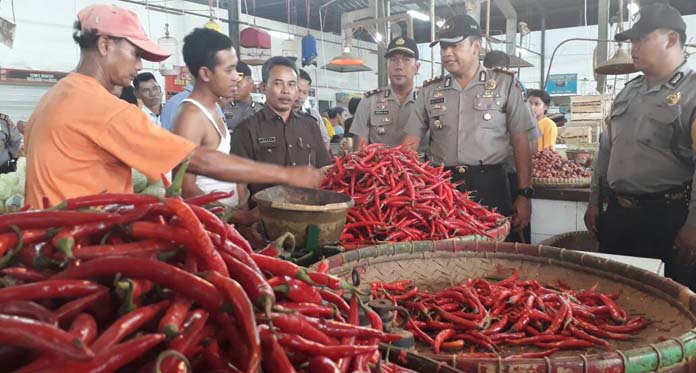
pixel 10 143
pixel 645 163
pixel 277 134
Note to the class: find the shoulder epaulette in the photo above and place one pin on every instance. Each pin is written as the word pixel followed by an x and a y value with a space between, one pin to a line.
pixel 634 79
pixel 372 92
pixel 432 80
pixel 504 70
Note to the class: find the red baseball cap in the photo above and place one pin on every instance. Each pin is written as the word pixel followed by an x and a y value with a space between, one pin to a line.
pixel 110 20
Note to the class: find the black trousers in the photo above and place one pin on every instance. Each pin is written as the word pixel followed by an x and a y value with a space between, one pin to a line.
pixel 488 185
pixel 524 236
pixel 8 166
pixel 646 232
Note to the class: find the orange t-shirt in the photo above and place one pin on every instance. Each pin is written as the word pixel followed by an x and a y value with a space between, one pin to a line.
pixel 83 140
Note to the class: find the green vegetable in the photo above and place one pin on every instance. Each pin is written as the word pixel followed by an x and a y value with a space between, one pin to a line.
pixel 139 181
pixel 154 190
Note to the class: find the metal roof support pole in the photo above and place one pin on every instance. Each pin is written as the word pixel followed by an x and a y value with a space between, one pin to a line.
pixel 233 7
pixel 542 63
pixel 510 25
pixel 433 20
pixel 602 34
pixel 382 12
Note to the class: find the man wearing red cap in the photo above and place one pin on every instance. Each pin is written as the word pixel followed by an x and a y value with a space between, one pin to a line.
pixel 83 140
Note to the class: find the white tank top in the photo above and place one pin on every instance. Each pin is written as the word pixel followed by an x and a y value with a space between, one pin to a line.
pixel 207 184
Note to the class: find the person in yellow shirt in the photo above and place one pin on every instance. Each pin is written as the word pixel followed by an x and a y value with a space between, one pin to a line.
pixel 539 101
pixel 329 128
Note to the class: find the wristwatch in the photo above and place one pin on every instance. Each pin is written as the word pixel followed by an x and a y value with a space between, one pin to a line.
pixel 527 192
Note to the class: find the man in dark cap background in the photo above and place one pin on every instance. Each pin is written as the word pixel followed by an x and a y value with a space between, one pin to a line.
pixel 645 163
pixel 242 105
pixel 474 116
pixel 382 115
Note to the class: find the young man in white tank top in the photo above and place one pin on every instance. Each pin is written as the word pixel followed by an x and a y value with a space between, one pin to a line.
pixel 198 120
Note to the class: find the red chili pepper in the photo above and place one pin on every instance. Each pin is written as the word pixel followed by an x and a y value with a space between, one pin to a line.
pixel 238 253
pixel 205 199
pixel 115 358
pixel 139 248
pixel 104 199
pixel 280 267
pixel 455 319
pixel 144 229
pixel 49 289
pixel 213 357
pixel 558 319
pixel 161 273
pixel 419 333
pixel 67 312
pixel 42 337
pixel 533 355
pixel 29 236
pixel 498 326
pixel 322 364
pixel 243 311
pixel 24 274
pixel 172 321
pixel 614 309
pixel 339 329
pixel 566 344
pixel 45 219
pixel 313 348
pixel 255 285
pixel 298 291
pixel 29 310
pixel 274 358
pixel 441 337
pixel 323 266
pixel 582 335
pixel 203 246
pixel 336 300
pixel 190 337
pixel 332 282
pixel 297 324
pixel 126 325
pixel 307 309
pixel 236 238
pixel 84 327
pixel 210 221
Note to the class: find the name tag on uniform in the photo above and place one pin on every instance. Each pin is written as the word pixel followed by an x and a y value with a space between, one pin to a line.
pixel 437 100
pixel 266 140
pixel 381 112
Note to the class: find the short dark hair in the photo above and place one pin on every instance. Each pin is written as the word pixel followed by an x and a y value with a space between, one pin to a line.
pixel 273 62
pixel 496 59
pixel 128 95
pixel 200 49
pixel 543 95
pixel 353 105
pixel 86 39
pixel 335 111
pixel 305 76
pixel 143 77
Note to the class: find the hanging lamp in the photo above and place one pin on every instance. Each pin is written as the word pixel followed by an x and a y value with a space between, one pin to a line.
pixel 346 62
pixel 621 62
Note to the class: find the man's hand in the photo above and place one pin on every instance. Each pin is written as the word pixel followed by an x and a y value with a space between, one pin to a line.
pixel 523 212
pixel 686 243
pixel 303 176
pixel 591 217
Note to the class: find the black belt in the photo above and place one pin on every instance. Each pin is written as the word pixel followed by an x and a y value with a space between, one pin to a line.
pixel 475 169
pixel 679 195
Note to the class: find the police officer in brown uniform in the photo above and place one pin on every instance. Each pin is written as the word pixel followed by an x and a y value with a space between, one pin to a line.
pixel 382 115
pixel 277 134
pixel 645 163
pixel 474 115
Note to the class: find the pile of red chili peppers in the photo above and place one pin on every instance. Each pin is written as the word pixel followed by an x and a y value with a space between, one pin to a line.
pixel 397 198
pixel 124 281
pixel 480 317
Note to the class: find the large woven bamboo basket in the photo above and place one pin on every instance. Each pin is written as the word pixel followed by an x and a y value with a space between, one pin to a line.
pixel 667 344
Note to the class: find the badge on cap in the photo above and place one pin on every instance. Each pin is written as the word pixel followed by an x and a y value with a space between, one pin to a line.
pixel 438 94
pixel 487 117
pixel 673 99
pixel 437 123
pixel 400 41
pixel 446 26
pixel 381 131
pixel 490 84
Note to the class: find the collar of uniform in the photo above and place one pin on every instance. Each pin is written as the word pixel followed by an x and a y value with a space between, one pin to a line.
pixel 677 77
pixel 268 114
pixel 391 96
